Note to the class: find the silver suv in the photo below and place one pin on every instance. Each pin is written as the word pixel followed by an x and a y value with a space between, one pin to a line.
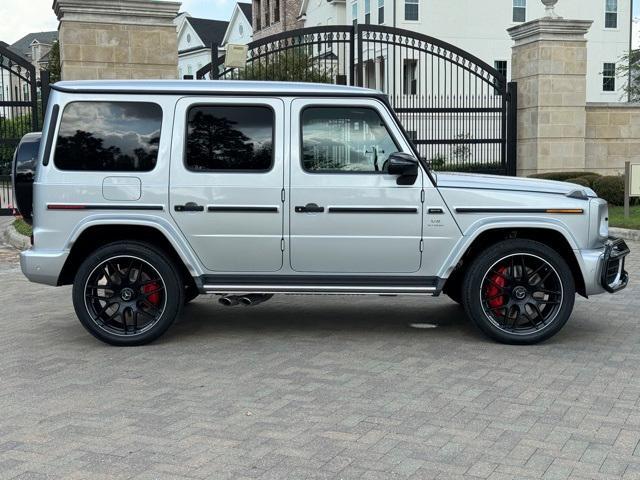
pixel 145 194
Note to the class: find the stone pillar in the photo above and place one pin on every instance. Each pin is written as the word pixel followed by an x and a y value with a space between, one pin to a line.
pixel 549 62
pixel 117 39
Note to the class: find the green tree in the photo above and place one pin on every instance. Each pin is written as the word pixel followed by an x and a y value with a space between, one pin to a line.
pixel 295 65
pixel 54 63
pixel 629 69
pixel 13 130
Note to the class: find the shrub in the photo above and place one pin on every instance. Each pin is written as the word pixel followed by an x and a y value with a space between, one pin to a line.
pixel 563 176
pixel 611 189
pixel 591 178
pixel 580 181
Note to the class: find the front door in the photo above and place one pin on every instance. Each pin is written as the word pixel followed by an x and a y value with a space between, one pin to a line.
pixel 227 180
pixel 347 214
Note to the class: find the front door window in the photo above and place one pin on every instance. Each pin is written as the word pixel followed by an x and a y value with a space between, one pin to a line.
pixel 345 139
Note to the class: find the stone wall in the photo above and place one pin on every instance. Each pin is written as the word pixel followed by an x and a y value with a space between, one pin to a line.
pixel 112 39
pixel 612 136
pixel 549 63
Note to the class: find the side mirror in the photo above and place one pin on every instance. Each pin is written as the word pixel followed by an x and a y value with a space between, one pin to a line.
pixel 403 165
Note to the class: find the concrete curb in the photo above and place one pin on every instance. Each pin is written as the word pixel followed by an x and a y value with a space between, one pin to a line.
pixel 13 238
pixel 627 234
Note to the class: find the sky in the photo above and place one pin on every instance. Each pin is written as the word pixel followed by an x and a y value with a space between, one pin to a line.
pixel 19 17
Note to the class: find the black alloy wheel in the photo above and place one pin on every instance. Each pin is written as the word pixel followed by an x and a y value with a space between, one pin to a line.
pixel 519 291
pixel 127 293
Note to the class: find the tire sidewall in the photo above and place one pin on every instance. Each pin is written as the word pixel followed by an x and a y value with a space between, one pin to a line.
pixel 486 259
pixel 173 287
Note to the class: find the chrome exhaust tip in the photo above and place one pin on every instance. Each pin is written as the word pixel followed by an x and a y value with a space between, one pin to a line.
pixel 229 300
pixel 254 299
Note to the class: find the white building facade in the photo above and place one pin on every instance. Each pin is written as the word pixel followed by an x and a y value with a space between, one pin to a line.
pixel 479 27
pixel 196 35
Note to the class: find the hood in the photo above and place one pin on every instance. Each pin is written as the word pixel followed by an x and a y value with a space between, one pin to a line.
pixel 518 184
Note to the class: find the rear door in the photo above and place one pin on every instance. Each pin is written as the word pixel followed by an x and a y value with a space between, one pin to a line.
pixel 348 215
pixel 227 180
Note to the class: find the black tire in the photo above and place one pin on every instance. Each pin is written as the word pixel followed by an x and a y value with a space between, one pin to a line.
pixel 519 292
pixel 190 293
pixel 137 282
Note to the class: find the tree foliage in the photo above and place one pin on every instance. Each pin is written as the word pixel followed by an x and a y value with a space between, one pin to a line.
pixel 629 69
pixel 295 65
pixel 54 63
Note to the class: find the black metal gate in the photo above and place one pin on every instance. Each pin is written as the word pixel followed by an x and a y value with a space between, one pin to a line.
pixel 459 111
pixel 20 113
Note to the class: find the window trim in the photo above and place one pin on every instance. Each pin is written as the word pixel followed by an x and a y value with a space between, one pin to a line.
pixel 60 118
pixel 605 77
pixel 616 12
pixel 513 12
pixel 228 170
pixel 340 172
pixel 404 13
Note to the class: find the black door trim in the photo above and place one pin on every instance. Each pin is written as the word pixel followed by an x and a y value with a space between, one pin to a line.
pixel 242 209
pixel 373 210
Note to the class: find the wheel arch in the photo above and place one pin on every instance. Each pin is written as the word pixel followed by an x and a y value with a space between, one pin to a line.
pixel 549 235
pixel 94 234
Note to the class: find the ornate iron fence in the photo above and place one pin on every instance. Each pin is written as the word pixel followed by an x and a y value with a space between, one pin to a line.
pixel 22 103
pixel 459 111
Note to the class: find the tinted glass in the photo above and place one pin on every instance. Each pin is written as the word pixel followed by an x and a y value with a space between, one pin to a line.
pixel 345 140
pixel 411 10
pixel 109 136
pixel 230 138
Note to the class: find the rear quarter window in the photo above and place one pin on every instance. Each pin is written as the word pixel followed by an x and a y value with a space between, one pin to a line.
pixel 109 136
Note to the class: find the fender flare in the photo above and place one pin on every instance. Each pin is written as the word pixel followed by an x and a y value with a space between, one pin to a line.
pixel 481 226
pixel 171 234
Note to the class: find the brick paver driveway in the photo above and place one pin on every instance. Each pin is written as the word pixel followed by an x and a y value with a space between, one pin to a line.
pixel 317 387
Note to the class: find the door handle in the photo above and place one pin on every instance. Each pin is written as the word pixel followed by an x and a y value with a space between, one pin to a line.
pixel 189 207
pixel 309 208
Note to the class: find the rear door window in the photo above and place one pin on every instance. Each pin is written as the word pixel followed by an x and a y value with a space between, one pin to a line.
pixel 230 138
pixel 109 136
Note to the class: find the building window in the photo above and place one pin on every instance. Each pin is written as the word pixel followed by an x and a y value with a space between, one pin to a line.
pixel 409 83
pixel 240 29
pixel 354 13
pixel 267 14
pixel 519 10
pixel 276 11
pixel 345 140
pixel 411 10
pixel 230 138
pixel 257 15
pixel 609 77
pixel 611 14
pixel 109 136
pixel 367 11
pixel 380 12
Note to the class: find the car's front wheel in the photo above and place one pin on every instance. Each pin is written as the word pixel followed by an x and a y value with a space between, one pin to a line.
pixel 127 293
pixel 519 291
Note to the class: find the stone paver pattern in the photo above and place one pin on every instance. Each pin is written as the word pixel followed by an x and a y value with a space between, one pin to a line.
pixel 317 387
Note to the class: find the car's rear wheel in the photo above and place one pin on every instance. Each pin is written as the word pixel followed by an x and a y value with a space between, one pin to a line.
pixel 519 291
pixel 127 293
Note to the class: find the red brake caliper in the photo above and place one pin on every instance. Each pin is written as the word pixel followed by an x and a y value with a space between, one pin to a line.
pixel 154 298
pixel 497 280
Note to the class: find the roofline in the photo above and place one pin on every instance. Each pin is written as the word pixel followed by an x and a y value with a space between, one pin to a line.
pixel 128 91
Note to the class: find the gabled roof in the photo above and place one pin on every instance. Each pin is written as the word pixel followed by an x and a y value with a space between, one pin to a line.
pixel 208 30
pixel 243 9
pixel 23 46
pixel 246 10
